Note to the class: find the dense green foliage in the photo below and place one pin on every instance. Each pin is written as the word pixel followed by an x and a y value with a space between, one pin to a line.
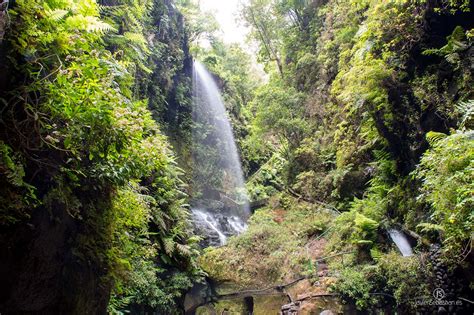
pixel 368 109
pixel 77 129
pixel 447 173
pixel 362 122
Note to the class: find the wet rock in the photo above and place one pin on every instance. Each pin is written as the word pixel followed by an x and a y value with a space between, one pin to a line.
pixel 286 307
pixel 215 205
pixel 199 294
pixel 225 226
pixel 290 309
pixel 215 227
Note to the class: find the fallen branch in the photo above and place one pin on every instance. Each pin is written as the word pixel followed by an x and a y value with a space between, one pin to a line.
pixel 278 289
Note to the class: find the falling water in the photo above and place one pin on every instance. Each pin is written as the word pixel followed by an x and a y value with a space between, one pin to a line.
pixel 217 168
pixel 237 224
pixel 401 241
pixel 211 222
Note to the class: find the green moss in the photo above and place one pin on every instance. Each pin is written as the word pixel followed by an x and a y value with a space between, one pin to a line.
pixel 270 251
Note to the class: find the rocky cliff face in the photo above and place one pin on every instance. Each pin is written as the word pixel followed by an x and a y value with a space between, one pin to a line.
pixel 42 270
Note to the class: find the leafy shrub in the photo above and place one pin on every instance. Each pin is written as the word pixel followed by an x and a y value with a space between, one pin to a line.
pixel 406 278
pixel 447 174
pixel 356 285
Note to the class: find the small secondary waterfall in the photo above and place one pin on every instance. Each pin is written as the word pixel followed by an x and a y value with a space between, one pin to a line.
pixel 401 241
pixel 219 204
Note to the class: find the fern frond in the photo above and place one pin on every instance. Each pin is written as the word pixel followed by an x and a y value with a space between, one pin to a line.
pixel 135 38
pixel 169 245
pixel 434 137
pixel 98 26
pixel 115 7
pixel 429 227
pixel 159 220
pixel 453 58
pixel 466 109
pixel 57 14
pixel 459 45
pixel 88 23
pixel 432 52
pixel 184 250
pixel 145 68
pixel 382 155
pixel 133 21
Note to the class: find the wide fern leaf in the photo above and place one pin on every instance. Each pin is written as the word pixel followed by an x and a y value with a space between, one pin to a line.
pixel 184 250
pixel 169 245
pixel 434 137
pixel 57 14
pixel 89 24
pixel 466 109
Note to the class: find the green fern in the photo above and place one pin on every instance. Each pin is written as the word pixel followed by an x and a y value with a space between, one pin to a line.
pixel 365 223
pixel 184 250
pixel 98 26
pixel 169 245
pixel 10 166
pixel 435 137
pixel 466 109
pixel 453 58
pixel 139 41
pixel 89 24
pixel 135 38
pixel 56 15
pixel 429 227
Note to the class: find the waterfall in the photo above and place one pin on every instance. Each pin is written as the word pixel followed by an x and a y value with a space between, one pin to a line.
pixel 211 222
pixel 219 201
pixel 401 241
